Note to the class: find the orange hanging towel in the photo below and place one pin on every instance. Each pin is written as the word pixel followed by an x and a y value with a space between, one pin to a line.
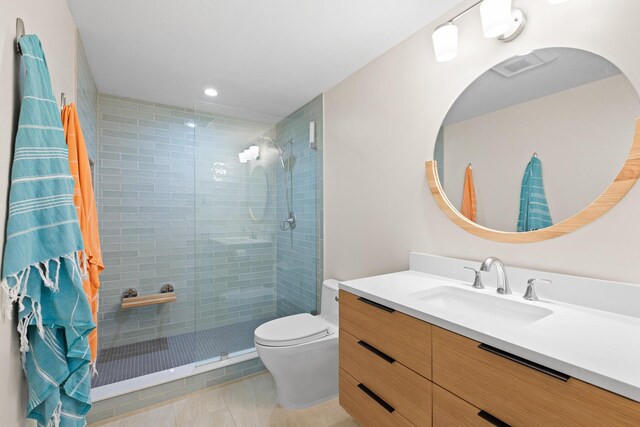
pixel 468 207
pixel 85 204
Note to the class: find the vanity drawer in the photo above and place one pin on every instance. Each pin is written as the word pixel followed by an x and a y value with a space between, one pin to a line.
pixel 521 395
pixel 367 408
pixel 404 338
pixel 405 390
pixel 449 411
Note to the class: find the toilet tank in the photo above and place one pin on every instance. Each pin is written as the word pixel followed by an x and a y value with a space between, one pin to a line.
pixel 329 301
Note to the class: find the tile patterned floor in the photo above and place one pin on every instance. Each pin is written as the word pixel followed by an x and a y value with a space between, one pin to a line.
pixel 250 402
pixel 134 360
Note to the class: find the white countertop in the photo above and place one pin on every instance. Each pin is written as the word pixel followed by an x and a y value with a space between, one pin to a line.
pixel 595 346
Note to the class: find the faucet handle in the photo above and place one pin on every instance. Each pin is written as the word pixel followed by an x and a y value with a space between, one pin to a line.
pixel 530 293
pixel 477 282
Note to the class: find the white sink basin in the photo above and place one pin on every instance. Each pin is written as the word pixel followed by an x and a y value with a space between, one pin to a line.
pixel 477 309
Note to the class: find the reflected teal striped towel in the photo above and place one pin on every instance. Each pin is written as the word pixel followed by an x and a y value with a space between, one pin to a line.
pixel 534 212
pixel 41 270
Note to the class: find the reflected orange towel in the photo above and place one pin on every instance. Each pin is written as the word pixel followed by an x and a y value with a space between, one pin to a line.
pixel 84 201
pixel 468 207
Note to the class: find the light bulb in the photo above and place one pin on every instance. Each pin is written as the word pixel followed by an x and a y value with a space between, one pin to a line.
pixel 254 151
pixel 445 42
pixel 496 17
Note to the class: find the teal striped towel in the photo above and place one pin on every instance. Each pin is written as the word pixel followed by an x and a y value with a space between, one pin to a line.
pixel 41 270
pixel 534 212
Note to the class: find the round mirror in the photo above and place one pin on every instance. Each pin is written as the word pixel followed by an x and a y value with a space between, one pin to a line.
pixel 258 193
pixel 535 140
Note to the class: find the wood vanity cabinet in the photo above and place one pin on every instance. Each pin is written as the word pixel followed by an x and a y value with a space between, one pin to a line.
pixel 398 370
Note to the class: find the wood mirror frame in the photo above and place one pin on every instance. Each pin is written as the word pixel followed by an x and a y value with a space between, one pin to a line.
pixel 609 198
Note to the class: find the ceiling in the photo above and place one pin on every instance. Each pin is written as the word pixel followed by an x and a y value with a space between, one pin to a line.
pixel 267 57
pixel 492 91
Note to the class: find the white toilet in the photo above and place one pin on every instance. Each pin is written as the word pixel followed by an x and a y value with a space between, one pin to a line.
pixel 301 352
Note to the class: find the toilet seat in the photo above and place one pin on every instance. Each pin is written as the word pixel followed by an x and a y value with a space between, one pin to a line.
pixel 292 330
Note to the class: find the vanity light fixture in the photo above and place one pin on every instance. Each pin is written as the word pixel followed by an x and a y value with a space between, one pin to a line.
pixel 499 20
pixel 250 153
pixel 210 92
pixel 254 151
pixel 495 16
pixel 445 42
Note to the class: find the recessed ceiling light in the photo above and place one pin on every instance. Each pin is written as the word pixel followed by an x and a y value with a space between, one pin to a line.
pixel 210 92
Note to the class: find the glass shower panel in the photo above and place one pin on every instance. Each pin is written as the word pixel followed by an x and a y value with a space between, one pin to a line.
pixel 257 224
pixel 298 244
pixel 235 229
pixel 145 201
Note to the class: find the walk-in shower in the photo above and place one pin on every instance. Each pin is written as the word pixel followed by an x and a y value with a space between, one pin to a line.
pixel 177 206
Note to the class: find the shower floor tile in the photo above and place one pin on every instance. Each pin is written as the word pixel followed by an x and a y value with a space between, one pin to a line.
pixel 130 361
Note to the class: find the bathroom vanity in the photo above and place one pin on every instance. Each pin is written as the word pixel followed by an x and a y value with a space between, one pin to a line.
pixel 422 347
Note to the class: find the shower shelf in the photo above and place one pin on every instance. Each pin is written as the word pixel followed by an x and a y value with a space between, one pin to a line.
pixel 135 302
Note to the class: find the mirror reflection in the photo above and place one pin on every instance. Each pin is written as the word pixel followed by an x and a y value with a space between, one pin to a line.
pixel 258 193
pixel 536 138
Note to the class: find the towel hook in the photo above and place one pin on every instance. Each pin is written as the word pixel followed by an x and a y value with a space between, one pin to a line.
pixel 535 155
pixel 470 166
pixel 19 34
pixel 63 99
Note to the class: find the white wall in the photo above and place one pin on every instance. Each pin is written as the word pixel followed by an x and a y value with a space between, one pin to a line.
pixel 582 136
pixel 381 124
pixel 51 20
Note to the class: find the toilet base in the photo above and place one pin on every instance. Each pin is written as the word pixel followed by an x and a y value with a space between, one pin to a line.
pixel 305 374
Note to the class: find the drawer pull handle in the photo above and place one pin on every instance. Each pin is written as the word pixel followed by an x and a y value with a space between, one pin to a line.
pixel 377 398
pixel 377 352
pixel 492 420
pixel 376 305
pixel 540 368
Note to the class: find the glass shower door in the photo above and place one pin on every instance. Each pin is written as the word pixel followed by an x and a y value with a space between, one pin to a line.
pixel 257 223
pixel 235 231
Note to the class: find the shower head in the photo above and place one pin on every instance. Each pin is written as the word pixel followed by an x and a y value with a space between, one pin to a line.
pixel 269 140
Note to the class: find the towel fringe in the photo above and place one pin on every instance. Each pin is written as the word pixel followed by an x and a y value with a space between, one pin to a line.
pixel 44 274
pixel 37 314
pixel 23 328
pixel 57 260
pixel 85 265
pixel 16 293
pixel 9 296
pixel 55 417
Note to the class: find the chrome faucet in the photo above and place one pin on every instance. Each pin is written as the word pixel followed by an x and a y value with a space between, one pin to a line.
pixel 477 282
pixel 503 282
pixel 252 232
pixel 530 294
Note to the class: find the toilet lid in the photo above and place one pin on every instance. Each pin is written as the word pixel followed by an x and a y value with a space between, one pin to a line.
pixel 292 330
